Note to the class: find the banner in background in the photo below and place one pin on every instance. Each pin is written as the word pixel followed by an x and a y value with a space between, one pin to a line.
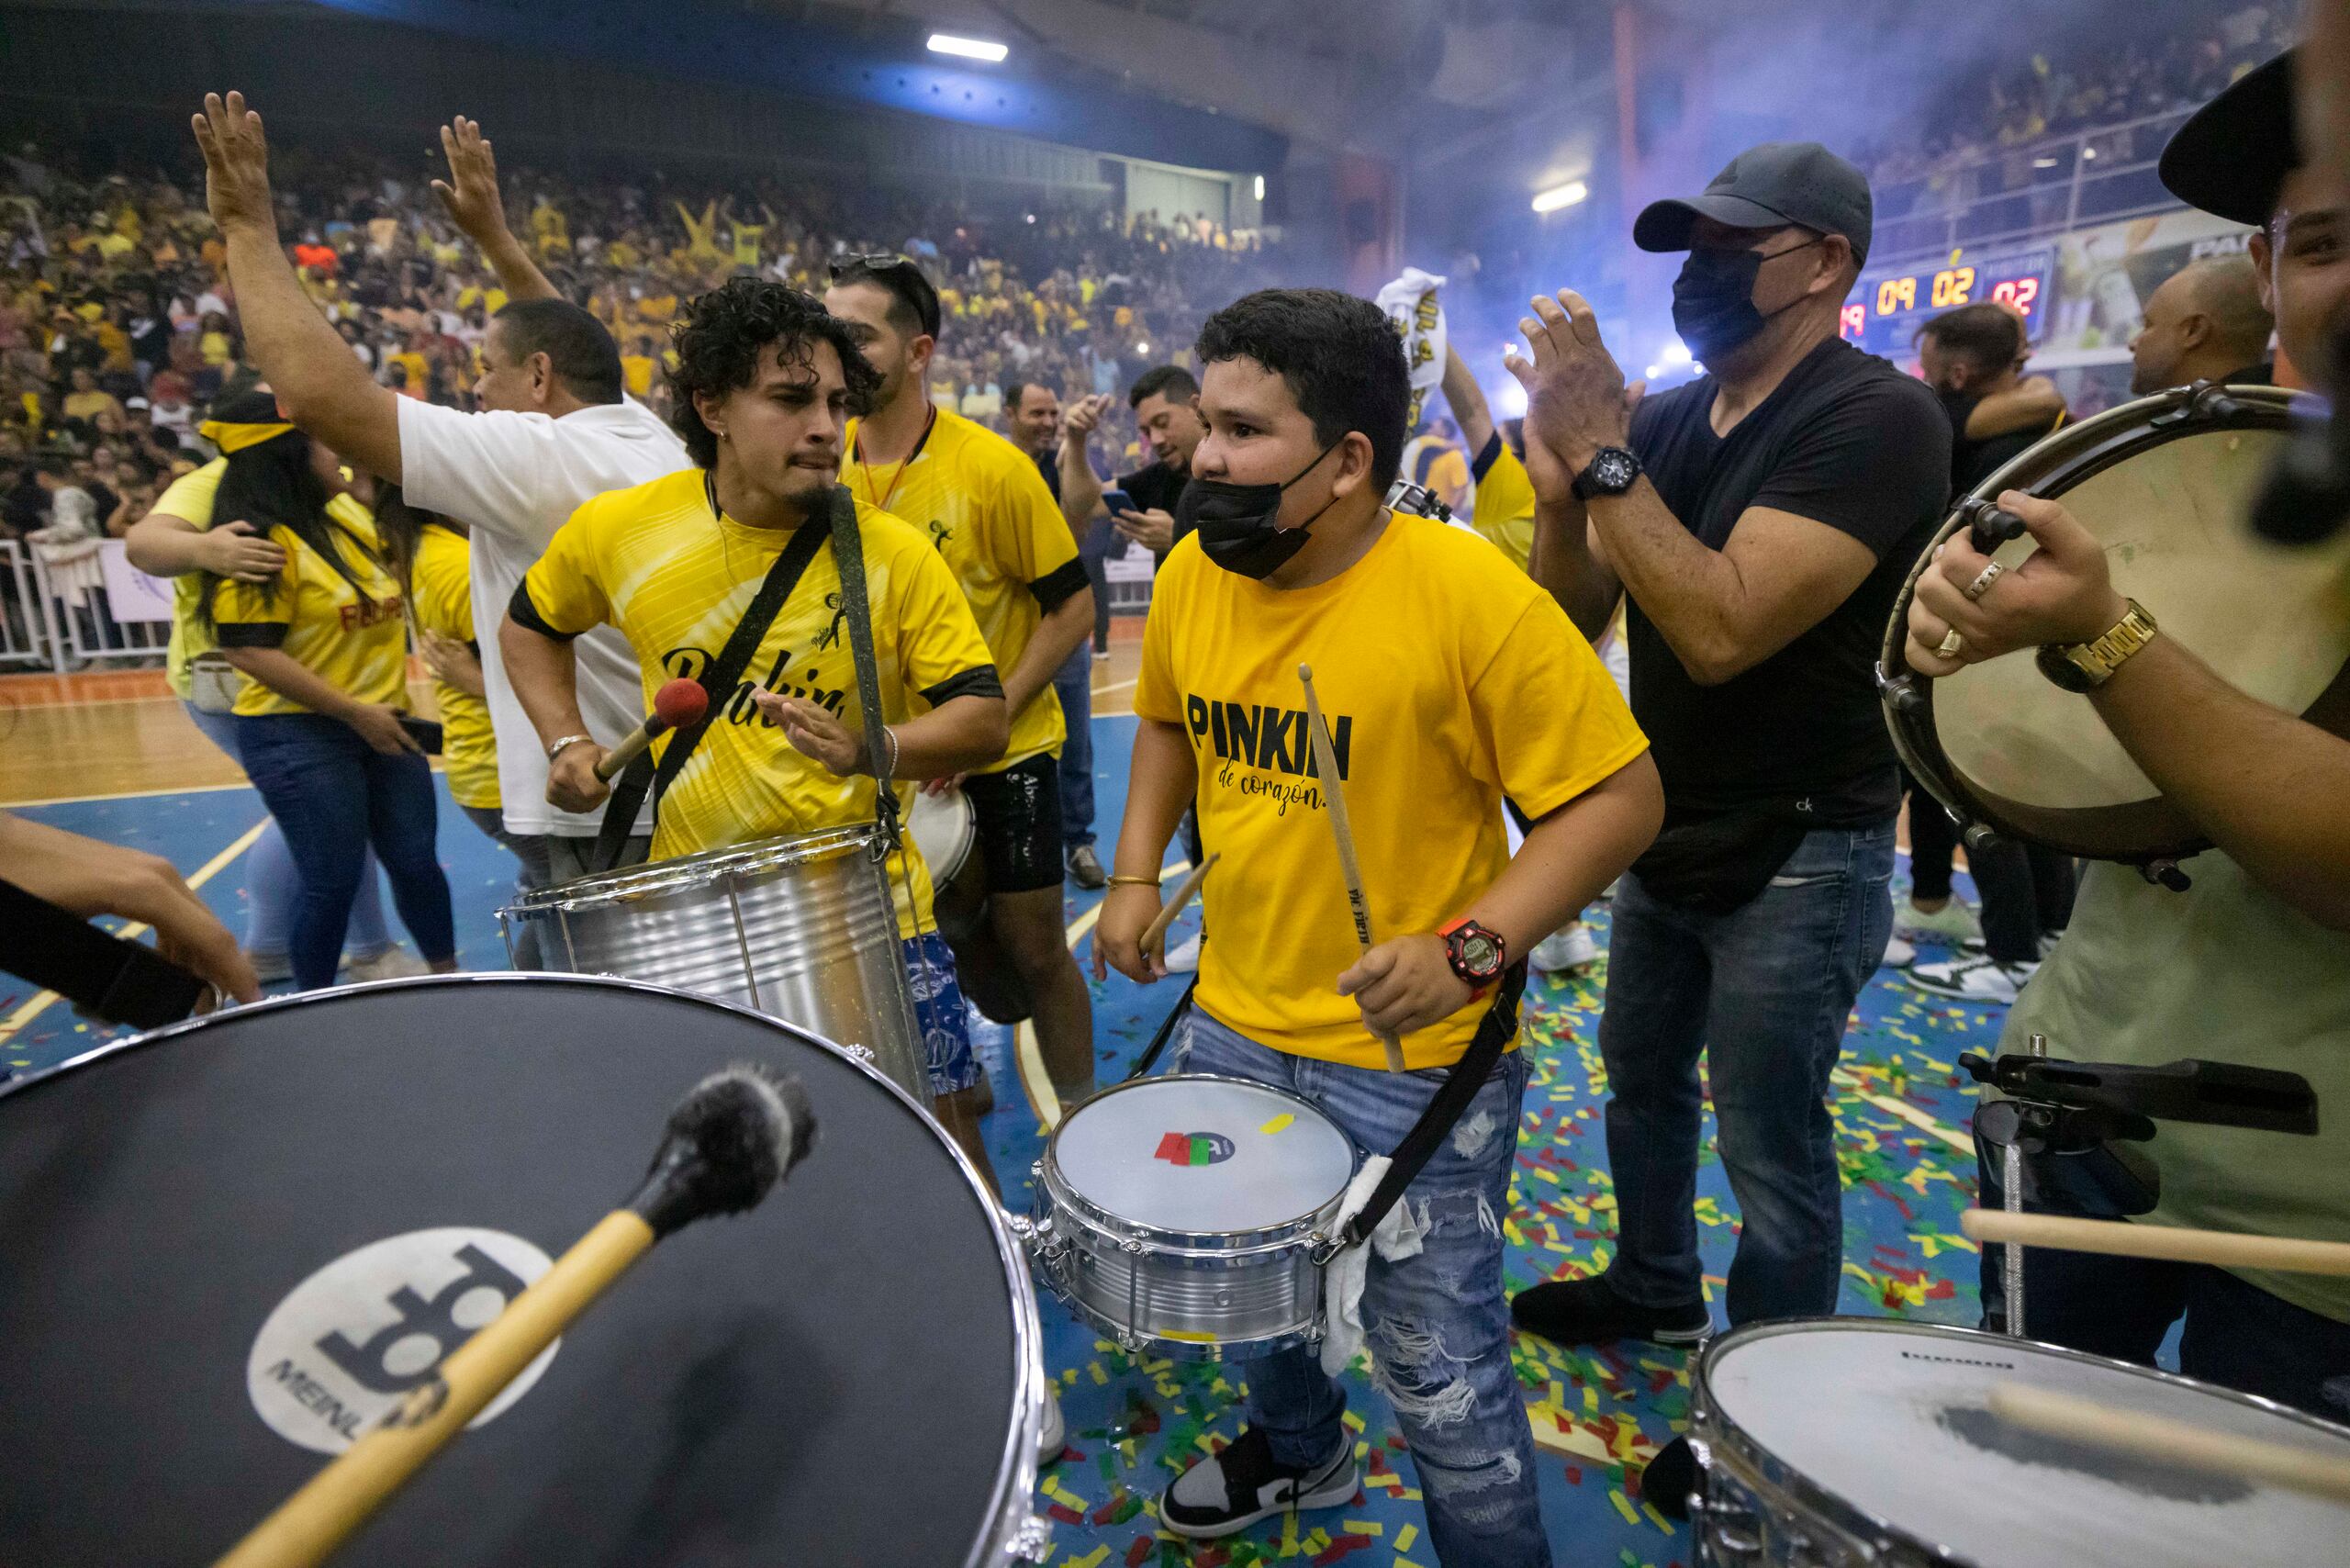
pixel 2104 276
pixel 131 594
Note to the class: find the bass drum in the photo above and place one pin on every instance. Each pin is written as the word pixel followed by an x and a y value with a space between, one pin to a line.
pixel 2166 484
pixel 232 1243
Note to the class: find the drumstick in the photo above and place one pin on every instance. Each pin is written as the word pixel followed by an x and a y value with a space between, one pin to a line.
pixel 2167 1442
pixel 2226 1249
pixel 1325 762
pixel 727 1143
pixel 1183 892
pixel 678 703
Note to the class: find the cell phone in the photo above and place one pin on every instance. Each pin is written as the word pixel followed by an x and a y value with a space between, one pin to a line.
pixel 424 732
pixel 1117 501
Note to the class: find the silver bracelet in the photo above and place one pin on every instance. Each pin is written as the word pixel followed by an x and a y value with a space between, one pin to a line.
pixel 556 750
pixel 891 736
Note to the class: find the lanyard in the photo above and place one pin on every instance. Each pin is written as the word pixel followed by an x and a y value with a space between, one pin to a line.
pixel 864 469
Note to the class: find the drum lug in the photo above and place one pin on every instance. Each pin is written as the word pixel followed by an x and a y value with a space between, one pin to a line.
pixel 1032 1540
pixel 1321 1248
pixel 1901 692
pixel 2167 874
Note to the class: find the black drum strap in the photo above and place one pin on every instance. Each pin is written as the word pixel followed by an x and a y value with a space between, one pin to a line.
pixel 718 682
pixel 120 982
pixel 1468 1076
pixel 848 556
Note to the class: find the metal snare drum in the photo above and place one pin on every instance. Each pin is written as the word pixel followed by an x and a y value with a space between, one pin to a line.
pixel 1183 1214
pixel 801 929
pixel 1834 1442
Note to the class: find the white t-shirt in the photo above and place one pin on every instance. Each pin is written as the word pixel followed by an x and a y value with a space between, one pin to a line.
pixel 514 479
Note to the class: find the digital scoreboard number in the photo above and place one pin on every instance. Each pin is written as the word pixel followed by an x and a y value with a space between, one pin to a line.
pixel 1886 309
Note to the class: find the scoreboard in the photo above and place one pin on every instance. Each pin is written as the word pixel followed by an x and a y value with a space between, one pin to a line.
pixel 1886 308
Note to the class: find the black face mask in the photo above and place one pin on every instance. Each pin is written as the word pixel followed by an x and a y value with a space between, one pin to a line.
pixel 1713 300
pixel 1236 526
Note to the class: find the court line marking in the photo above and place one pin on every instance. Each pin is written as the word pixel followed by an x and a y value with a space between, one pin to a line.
pixel 1035 1081
pixel 126 795
pixel 136 929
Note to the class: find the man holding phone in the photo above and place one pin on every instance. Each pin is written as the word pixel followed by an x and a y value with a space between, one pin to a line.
pixel 1143 504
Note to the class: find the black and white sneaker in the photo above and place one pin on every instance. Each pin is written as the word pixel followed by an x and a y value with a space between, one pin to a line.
pixel 1226 1494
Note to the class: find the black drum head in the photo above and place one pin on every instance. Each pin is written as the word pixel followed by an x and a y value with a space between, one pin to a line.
pixel 765 1389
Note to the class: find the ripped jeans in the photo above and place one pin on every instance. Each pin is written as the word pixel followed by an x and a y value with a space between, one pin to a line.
pixel 1436 1324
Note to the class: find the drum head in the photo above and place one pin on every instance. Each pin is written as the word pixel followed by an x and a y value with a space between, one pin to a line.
pixel 944 828
pixel 232 1242
pixel 1893 1419
pixel 1199 1154
pixel 2169 502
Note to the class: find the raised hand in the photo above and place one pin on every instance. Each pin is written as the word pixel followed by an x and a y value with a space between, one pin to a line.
pixel 470 193
pixel 236 163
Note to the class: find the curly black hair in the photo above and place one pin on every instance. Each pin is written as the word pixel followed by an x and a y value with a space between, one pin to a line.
pixel 725 335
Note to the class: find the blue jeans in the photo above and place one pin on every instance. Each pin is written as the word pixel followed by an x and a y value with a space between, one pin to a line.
pixel 1436 1324
pixel 1073 683
pixel 271 880
pixel 334 795
pixel 1763 992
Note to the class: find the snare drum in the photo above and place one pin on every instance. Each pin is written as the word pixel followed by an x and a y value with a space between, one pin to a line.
pixel 1828 1442
pixel 801 929
pixel 2165 483
pixel 944 828
pixel 1182 1214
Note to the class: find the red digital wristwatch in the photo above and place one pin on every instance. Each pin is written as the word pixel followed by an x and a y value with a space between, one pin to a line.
pixel 1478 954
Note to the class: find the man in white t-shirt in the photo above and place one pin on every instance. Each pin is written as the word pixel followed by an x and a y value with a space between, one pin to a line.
pixel 556 428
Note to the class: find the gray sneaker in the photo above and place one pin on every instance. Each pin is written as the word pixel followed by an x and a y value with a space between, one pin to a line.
pixel 1085 869
pixel 1226 1492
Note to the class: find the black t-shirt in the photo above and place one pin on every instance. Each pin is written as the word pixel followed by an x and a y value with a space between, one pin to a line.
pixel 1972 462
pixel 1160 489
pixel 1845 440
pixel 1048 464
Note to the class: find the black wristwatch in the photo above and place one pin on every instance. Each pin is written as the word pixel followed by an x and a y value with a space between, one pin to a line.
pixel 1478 954
pixel 1611 470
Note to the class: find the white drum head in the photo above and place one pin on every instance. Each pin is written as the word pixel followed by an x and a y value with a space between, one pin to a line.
pixel 942 829
pixel 2270 620
pixel 1203 1155
pixel 1896 1422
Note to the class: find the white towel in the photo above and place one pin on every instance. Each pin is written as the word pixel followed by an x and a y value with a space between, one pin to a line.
pixel 1411 303
pixel 1397 1238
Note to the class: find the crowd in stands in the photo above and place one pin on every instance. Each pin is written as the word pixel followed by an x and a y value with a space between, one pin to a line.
pixel 118 327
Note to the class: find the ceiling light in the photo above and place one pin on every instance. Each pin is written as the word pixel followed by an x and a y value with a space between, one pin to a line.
pixel 969 49
pixel 1261 187
pixel 1558 196
pixel 2043 162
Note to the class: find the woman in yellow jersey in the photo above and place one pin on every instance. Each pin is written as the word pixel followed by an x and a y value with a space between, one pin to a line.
pixel 320 718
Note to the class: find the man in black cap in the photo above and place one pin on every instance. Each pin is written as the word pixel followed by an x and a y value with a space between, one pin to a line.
pixel 2250 965
pixel 1761 520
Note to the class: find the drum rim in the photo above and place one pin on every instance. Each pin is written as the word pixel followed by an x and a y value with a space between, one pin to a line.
pixel 1055 1187
pixel 1009 1519
pixel 2049 468
pixel 1710 1426
pixel 600 889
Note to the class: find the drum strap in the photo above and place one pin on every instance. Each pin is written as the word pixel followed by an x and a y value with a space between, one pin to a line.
pixel 1468 1076
pixel 121 981
pixel 719 681
pixel 848 556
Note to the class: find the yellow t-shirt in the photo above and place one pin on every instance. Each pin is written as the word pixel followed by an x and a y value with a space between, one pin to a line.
pixel 441 585
pixel 316 616
pixel 982 502
pixel 636 371
pixel 653 562
pixel 1504 505
pixel 214 348
pixel 1447 679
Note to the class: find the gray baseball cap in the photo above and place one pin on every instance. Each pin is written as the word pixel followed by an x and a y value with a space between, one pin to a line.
pixel 1764 187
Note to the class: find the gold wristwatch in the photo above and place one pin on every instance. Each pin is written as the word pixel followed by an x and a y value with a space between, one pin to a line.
pixel 2084 666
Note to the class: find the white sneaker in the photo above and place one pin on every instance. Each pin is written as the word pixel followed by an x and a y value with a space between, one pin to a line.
pixel 1952 925
pixel 1972 979
pixel 1564 950
pixel 1054 1436
pixel 1900 954
pixel 394 962
pixel 1185 960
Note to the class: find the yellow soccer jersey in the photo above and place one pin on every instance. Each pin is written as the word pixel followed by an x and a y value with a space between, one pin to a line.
pixel 442 583
pixel 983 503
pixel 676 579
pixel 357 645
pixel 1504 505
pixel 1447 679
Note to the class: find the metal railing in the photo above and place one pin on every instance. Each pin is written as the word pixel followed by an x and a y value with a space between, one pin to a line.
pixel 2050 186
pixel 61 621
pixel 27 615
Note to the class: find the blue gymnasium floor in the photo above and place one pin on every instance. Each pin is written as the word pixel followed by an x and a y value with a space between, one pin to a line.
pixel 1901 1118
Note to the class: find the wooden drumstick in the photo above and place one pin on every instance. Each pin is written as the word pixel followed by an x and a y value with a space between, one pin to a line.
pixel 727 1143
pixel 1325 762
pixel 2225 1250
pixel 1157 929
pixel 2167 1442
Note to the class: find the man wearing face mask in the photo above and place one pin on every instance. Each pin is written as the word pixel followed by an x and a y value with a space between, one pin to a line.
pixel 1428 649
pixel 1761 520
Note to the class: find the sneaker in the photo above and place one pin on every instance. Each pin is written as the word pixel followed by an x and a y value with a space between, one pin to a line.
pixel 1085 869
pixel 1589 1312
pixel 1972 979
pixel 1564 950
pixel 394 962
pixel 271 967
pixel 1054 1437
pixel 1900 954
pixel 1952 925
pixel 1185 960
pixel 1101 656
pixel 1669 1479
pixel 1229 1491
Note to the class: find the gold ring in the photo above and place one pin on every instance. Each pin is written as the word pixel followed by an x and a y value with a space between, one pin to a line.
pixel 1949 645
pixel 1983 581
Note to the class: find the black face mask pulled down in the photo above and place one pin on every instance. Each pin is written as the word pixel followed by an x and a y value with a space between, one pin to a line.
pixel 1713 300
pixel 1236 526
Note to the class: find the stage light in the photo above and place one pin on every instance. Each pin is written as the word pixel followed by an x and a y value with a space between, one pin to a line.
pixel 1558 196
pixel 2088 152
pixel 1142 348
pixel 1675 353
pixel 2043 162
pixel 1509 398
pixel 968 48
pixel 1261 187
